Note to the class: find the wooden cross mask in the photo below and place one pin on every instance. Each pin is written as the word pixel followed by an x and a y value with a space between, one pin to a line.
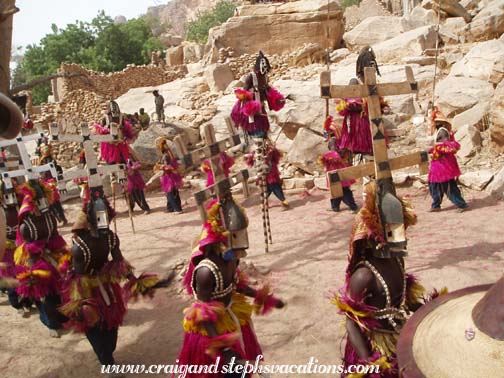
pixel 29 171
pixel 92 171
pixel 233 218
pixel 382 166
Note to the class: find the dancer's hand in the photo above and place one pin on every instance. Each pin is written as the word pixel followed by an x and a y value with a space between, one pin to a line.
pixel 279 304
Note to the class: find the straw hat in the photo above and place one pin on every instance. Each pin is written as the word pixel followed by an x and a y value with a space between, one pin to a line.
pixel 442 340
pixel 441 118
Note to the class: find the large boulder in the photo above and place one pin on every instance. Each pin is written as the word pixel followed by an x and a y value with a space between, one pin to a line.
pixel 455 26
pixel 455 95
pixel 451 7
pixel 413 42
pixel 496 187
pixel 224 106
pixel 488 23
pixel 308 110
pixel 193 52
pixel 470 141
pixel 277 28
pixel 145 145
pixel 175 56
pixel 218 76
pixel 373 30
pixel 173 92
pixel 305 150
pixel 339 54
pixel 497 117
pixel 477 116
pixel 170 40
pixel 485 61
pixel 476 180
pixel 418 17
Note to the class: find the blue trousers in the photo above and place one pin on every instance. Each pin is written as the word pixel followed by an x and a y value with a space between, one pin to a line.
pixel 450 188
pixel 48 311
pixel 277 190
pixel 174 203
pixel 104 342
pixel 347 199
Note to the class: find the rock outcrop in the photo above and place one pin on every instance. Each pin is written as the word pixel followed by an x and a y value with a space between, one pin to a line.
pixel 373 30
pixel 280 28
pixel 455 95
pixel 488 23
pixel 413 42
pixel 485 61
pixel 497 117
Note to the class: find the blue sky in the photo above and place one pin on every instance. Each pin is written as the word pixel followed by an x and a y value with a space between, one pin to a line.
pixel 35 17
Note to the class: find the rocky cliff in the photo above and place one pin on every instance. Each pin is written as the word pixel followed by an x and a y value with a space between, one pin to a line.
pixel 178 12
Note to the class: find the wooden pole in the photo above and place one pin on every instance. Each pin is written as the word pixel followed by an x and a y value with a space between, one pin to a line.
pixel 7 10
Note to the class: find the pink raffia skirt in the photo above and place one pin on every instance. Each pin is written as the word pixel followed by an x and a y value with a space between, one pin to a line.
pixel 194 350
pixel 170 181
pixel 135 182
pixel 114 153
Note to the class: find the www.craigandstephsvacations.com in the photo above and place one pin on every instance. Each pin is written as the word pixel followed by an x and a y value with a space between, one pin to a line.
pixel 241 368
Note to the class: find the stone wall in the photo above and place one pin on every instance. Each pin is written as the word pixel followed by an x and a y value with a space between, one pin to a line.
pixel 114 84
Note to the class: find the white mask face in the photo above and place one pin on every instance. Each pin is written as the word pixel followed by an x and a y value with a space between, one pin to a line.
pixel 102 222
pixel 43 205
pixel 10 199
pixel 263 67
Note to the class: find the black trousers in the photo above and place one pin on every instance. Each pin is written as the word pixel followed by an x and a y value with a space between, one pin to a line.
pixel 16 301
pixel 104 342
pixel 138 197
pixel 277 190
pixel 58 209
pixel 173 201
pixel 347 199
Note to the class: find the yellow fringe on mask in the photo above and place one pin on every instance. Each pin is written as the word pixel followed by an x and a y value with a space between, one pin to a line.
pixel 240 307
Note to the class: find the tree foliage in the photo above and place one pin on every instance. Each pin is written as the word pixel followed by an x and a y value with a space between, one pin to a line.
pixel 348 3
pixel 100 45
pixel 198 29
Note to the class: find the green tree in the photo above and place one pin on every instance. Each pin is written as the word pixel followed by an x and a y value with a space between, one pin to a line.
pixel 100 45
pixel 348 3
pixel 198 29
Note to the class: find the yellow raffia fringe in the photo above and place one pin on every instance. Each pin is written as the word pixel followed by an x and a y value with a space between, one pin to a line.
pixel 241 308
pixel 215 346
pixel 342 105
pixel 415 293
pixel 10 244
pixel 143 285
pixel 214 220
pixel 65 257
pixel 36 273
pixel 385 343
pixel 350 312
pixel 21 255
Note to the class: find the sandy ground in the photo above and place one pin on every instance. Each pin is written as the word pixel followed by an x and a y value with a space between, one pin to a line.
pixel 307 261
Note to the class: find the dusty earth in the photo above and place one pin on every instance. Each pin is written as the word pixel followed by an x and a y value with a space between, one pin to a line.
pixel 306 262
